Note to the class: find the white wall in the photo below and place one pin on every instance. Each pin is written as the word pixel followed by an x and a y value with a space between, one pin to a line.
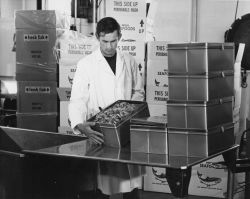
pixel 170 20
pixel 214 17
pixel 174 20
pixel 61 5
pixel 8 7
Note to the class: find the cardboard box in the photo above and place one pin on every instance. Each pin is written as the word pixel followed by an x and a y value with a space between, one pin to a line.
pixel 72 46
pixel 64 93
pixel 155 180
pixel 36 46
pixel 141 66
pixel 64 114
pixel 237 85
pixel 209 179
pixel 157 73
pixel 157 50
pixel 36 72
pixel 135 8
pixel 133 47
pixel 157 95
pixel 132 27
pixel 36 97
pixel 217 186
pixel 36 121
pixel 66 75
pixel 65 130
pixel 64 96
pixel 157 110
pixel 41 19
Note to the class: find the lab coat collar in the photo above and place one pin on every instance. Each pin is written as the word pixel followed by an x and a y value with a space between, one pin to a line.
pixel 105 66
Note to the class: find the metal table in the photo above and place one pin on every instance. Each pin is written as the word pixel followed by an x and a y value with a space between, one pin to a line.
pixel 178 168
pixel 19 147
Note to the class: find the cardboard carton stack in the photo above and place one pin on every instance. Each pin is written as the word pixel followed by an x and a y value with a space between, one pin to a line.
pixel 70 47
pixel 156 78
pixel 131 15
pixel 156 97
pixel 36 67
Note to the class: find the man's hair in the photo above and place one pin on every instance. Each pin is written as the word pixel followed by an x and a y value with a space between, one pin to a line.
pixel 107 25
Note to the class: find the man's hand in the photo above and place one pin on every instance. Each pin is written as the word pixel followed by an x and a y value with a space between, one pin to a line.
pixel 94 136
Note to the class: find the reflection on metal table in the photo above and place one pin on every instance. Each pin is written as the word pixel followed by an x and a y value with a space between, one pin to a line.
pixel 178 168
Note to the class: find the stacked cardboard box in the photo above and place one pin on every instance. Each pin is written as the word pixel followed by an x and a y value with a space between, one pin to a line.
pixel 156 78
pixel 156 97
pixel 71 46
pixel 131 15
pixel 36 67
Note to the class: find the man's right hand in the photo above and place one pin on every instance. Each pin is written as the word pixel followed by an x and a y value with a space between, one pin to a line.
pixel 94 136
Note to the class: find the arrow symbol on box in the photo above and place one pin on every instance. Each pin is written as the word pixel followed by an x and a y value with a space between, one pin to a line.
pixel 140 67
pixel 142 23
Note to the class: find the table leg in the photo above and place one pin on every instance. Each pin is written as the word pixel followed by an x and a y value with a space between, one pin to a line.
pixel 230 185
pixel 230 160
pixel 178 181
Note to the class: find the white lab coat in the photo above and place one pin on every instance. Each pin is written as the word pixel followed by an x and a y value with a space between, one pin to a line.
pixel 94 86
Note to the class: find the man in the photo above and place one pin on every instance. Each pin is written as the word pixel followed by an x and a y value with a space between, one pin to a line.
pixel 105 76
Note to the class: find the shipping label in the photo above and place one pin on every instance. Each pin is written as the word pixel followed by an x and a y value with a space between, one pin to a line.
pixel 70 52
pixel 37 89
pixel 126 7
pixel 132 27
pixel 157 50
pixel 36 37
pixel 133 47
pixel 80 49
pixel 35 46
pixel 156 94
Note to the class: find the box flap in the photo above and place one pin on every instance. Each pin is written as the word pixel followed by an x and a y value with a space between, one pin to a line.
pixel 64 93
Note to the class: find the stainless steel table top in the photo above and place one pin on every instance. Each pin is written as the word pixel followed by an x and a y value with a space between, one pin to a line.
pixel 85 150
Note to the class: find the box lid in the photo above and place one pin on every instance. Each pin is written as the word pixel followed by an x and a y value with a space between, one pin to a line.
pixel 221 128
pixel 152 122
pixel 199 103
pixel 41 19
pixel 205 75
pixel 200 45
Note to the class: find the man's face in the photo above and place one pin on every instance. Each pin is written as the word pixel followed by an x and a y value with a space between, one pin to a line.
pixel 108 43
